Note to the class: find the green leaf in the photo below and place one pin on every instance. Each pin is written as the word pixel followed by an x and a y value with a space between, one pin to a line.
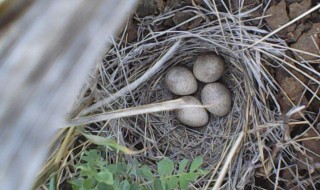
pixel 117 169
pixel 124 185
pixel 172 182
pixel 196 163
pixel 116 182
pixel 191 176
pixel 85 170
pixel 103 186
pixel 133 172
pixel 163 182
pixel 157 185
pixel 122 167
pixel 105 177
pixel 91 156
pixel 202 172
pixel 76 183
pixel 184 183
pixel 88 183
pixel 165 167
pixel 134 186
pixel 137 170
pixel 147 172
pixel 185 178
pixel 52 183
pixel 182 165
pixel 109 143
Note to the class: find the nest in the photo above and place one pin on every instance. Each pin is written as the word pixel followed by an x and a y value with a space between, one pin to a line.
pixel 255 109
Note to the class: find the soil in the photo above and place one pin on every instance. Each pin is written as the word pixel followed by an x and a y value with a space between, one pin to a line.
pixel 303 35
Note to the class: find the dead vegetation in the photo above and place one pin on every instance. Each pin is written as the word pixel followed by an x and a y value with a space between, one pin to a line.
pixel 275 87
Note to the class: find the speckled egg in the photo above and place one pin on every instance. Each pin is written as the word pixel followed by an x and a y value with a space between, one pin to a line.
pixel 217 97
pixel 208 68
pixel 181 81
pixel 193 116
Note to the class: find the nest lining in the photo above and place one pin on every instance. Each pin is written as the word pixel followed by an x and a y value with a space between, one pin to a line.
pixel 253 94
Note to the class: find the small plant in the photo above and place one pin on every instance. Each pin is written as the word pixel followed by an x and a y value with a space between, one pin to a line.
pixel 96 173
pixel 170 179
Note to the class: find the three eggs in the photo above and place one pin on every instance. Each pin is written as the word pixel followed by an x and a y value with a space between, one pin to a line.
pixel 215 97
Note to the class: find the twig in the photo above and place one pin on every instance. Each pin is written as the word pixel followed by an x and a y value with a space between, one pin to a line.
pixel 225 167
pixel 150 108
pixel 136 83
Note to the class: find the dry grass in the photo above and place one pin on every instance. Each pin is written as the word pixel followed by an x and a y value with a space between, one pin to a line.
pixel 131 75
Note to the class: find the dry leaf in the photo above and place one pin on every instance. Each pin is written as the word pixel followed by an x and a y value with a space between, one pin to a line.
pixel 160 4
pixel 293 88
pixel 286 174
pixel 311 145
pixel 315 104
pixel 278 18
pixel 294 35
pixel 309 42
pixel 296 9
pixel 146 7
pixel 180 17
pixel 132 32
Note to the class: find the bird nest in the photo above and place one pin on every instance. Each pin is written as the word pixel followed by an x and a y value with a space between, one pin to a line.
pixel 131 76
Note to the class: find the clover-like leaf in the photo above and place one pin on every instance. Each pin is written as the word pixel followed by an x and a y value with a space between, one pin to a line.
pixel 85 170
pixel 147 172
pixel 157 184
pixel 91 156
pixel 124 185
pixel 88 183
pixel 172 182
pixel 76 183
pixel 102 186
pixel 196 163
pixel 165 167
pixel 105 177
pixel 182 165
pixel 185 178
